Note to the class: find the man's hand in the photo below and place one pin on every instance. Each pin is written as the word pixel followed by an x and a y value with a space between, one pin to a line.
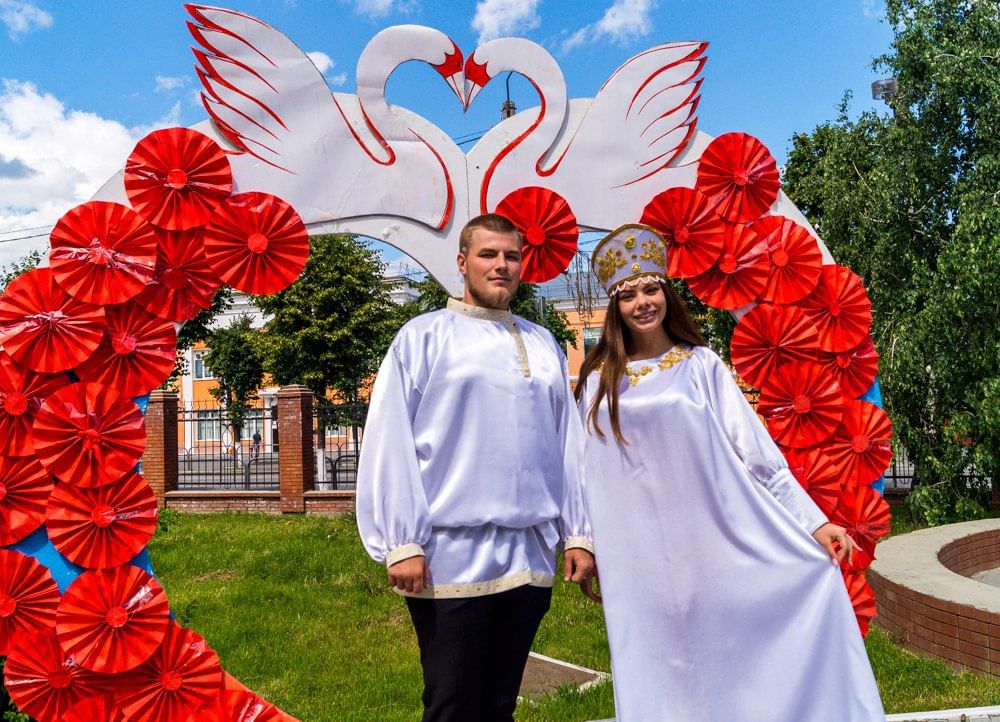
pixel 836 541
pixel 410 575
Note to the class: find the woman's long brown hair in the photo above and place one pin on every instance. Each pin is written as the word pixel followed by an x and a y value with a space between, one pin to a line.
pixel 610 355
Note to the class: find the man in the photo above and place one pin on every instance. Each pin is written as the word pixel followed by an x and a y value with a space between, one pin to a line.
pixel 469 479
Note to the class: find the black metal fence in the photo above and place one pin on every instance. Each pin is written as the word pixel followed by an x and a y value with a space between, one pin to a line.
pixel 214 455
pixel 337 432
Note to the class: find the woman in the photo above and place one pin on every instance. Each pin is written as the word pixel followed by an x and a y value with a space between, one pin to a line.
pixel 722 593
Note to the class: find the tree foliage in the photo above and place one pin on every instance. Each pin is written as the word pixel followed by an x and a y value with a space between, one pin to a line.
pixel 15 268
pixel 236 363
pixel 911 202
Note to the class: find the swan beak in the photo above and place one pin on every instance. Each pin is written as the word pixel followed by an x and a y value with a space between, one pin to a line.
pixel 457 84
pixel 472 89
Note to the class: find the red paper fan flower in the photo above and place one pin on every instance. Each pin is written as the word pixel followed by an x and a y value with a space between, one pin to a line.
pixel 104 527
pixel 180 678
pixel 548 227
pixel 866 516
pixel 102 252
pixel 739 175
pixel 112 620
pixel 24 489
pixel 769 336
pixel 100 708
pixel 816 474
pixel 44 681
pixel 795 259
pixel 88 435
pixel 183 283
pixel 239 704
pixel 44 328
pixel 21 393
pixel 137 352
pixel 840 308
pixel 692 228
pixel 256 243
pixel 802 403
pixel 28 598
pixel 862 443
pixel 862 599
pixel 739 276
pixel 854 370
pixel 176 177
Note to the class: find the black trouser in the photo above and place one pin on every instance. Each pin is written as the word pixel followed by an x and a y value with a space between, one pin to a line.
pixel 473 652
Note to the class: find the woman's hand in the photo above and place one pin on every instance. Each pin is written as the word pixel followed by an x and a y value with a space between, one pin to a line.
pixel 836 541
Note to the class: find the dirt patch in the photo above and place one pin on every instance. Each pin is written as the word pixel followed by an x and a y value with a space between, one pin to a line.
pixel 543 675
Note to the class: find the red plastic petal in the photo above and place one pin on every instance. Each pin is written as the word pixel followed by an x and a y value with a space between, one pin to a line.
pixel 112 620
pixel 739 175
pixel 183 283
pixel 855 369
pixel 104 527
pixel 176 177
pixel 137 352
pixel 88 435
pixel 44 328
pixel 21 393
pixel 24 489
pixel 691 227
pixel 256 243
pixel 862 599
pixel 549 229
pixel 740 274
pixel 28 598
pixel 794 256
pixel 769 336
pixel 802 403
pixel 102 252
pixel 817 475
pixel 100 708
pixel 180 678
pixel 239 704
pixel 840 308
pixel 862 442
pixel 866 516
pixel 44 681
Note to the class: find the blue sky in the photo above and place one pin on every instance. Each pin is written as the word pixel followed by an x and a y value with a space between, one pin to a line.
pixel 80 82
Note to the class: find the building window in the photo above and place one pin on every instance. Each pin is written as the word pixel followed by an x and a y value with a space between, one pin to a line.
pixel 253 424
pixel 209 425
pixel 591 335
pixel 200 369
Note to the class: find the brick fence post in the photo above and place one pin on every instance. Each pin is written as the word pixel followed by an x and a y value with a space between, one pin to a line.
pixel 296 472
pixel 159 462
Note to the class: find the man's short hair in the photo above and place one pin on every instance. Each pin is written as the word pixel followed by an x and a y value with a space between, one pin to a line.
pixel 487 221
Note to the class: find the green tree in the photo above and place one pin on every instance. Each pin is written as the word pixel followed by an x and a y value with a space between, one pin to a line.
pixel 911 202
pixel 236 362
pixel 14 269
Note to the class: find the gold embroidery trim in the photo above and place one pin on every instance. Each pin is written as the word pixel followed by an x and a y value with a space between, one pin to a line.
pixel 481 589
pixel 667 361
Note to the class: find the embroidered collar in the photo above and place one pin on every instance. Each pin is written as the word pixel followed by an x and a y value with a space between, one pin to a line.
pixel 667 361
pixel 480 312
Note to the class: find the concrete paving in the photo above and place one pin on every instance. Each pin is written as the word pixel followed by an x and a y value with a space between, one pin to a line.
pixel 990 576
pixel 972 714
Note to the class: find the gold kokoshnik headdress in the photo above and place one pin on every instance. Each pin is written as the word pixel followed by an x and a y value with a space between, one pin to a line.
pixel 630 255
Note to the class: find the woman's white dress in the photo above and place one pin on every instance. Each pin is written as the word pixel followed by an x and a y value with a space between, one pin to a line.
pixel 719 603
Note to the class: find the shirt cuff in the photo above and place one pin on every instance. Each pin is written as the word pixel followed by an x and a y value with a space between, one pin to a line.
pixel 403 552
pixel 579 542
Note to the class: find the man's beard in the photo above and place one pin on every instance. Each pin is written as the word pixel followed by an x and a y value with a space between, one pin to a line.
pixel 492 297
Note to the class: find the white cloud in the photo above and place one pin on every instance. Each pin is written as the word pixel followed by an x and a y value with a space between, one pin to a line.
pixel 321 60
pixel 496 18
pixel 381 8
pixel 65 155
pixel 873 9
pixel 22 17
pixel 167 84
pixel 624 21
pixel 338 79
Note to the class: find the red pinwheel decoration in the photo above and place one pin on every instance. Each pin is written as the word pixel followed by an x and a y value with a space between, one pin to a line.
pixel 795 259
pixel 176 177
pixel 43 680
pixel 769 336
pixel 691 228
pixel 739 175
pixel 24 490
pixel 239 704
pixel 101 708
pixel 866 516
pixel 862 599
pixel 256 243
pixel 103 527
pixel 548 227
pixel 855 369
pixel 86 434
pixel 861 445
pixel 112 620
pixel 28 598
pixel 817 475
pixel 102 252
pixel 21 393
pixel 181 677
pixel 740 274
pixel 137 352
pixel 183 283
pixel 44 328
pixel 840 308
pixel 802 403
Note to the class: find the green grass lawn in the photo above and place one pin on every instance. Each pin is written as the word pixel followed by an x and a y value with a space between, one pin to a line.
pixel 298 612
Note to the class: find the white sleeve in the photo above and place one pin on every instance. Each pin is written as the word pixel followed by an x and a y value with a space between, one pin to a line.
pixel 754 445
pixel 574 521
pixel 391 505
